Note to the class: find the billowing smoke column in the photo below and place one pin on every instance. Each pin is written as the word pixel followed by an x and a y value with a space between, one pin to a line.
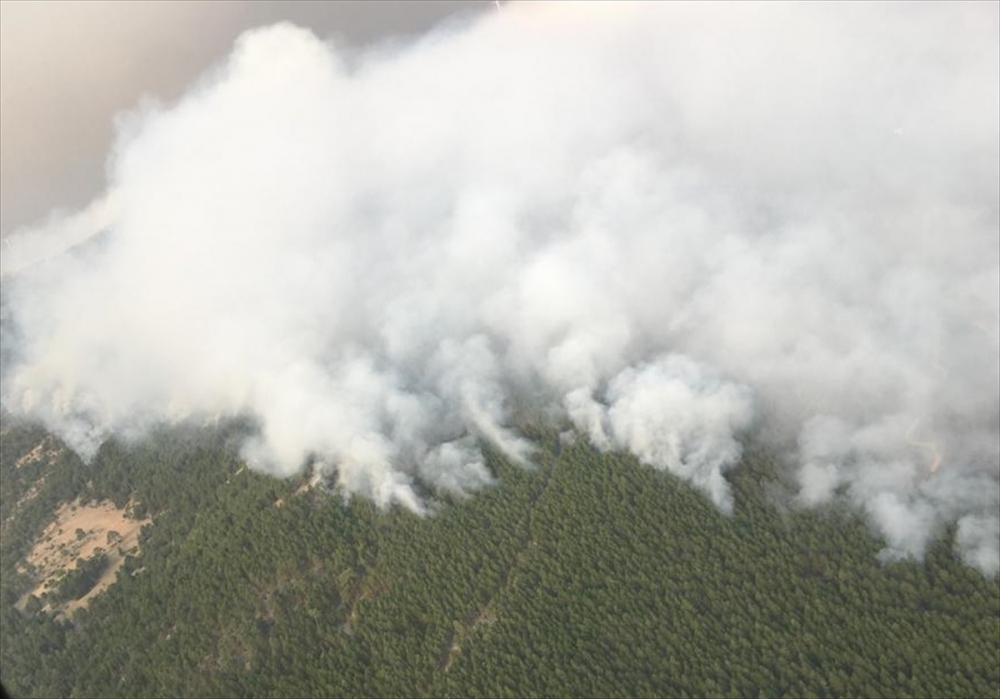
pixel 663 223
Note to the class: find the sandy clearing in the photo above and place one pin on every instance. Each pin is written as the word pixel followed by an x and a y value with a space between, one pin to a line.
pixel 82 531
pixel 31 494
pixel 38 453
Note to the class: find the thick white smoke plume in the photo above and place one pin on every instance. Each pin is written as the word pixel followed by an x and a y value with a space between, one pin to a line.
pixel 666 223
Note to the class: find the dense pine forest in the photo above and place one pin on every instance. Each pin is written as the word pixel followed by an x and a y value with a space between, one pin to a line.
pixel 587 575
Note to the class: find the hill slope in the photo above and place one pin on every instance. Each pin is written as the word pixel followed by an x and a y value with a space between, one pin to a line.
pixel 588 576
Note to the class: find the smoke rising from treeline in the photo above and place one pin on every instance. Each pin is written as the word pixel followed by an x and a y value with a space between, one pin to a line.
pixel 662 224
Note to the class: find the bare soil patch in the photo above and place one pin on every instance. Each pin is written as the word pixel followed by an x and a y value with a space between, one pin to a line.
pixel 82 531
pixel 45 449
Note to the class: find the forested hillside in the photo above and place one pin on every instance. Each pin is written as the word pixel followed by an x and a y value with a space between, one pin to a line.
pixel 588 575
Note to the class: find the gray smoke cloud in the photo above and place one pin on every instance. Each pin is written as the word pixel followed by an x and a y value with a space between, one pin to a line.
pixel 662 223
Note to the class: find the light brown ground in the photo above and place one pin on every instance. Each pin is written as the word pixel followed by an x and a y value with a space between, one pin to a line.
pixel 58 548
pixel 43 450
pixel 32 493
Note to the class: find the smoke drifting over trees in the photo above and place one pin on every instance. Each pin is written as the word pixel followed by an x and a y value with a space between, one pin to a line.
pixel 667 225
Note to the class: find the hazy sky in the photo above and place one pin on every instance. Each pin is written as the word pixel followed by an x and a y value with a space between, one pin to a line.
pixel 69 67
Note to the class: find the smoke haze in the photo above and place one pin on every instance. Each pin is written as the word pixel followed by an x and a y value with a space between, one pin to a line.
pixel 70 65
pixel 665 224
